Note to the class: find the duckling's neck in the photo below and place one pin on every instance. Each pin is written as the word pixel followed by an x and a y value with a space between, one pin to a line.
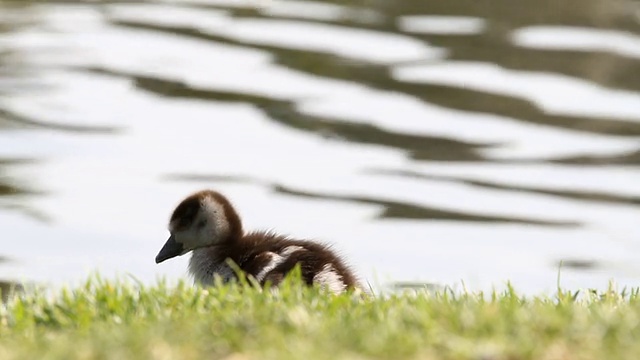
pixel 205 264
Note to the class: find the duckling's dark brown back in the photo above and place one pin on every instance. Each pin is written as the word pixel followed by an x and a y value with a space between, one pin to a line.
pixel 269 257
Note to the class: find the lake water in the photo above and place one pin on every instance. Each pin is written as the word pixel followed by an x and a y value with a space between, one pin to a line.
pixel 440 142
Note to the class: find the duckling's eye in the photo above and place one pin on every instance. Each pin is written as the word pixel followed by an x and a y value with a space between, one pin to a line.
pixel 201 224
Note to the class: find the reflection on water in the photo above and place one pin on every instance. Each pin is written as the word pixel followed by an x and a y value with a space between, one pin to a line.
pixel 8 289
pixel 567 193
pixel 391 209
pixel 431 142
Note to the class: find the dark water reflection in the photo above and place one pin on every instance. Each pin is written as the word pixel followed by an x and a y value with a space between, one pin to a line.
pixel 392 209
pixel 8 289
pixel 454 97
pixel 284 112
pixel 444 139
pixel 568 194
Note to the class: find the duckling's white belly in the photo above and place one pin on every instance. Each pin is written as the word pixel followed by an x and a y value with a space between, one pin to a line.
pixel 204 270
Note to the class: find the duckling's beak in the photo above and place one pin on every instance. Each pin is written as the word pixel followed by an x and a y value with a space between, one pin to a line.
pixel 170 249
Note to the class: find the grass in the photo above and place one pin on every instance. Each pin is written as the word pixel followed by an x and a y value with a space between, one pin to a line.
pixel 121 319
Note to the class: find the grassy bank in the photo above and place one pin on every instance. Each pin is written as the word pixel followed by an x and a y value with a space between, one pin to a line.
pixel 118 320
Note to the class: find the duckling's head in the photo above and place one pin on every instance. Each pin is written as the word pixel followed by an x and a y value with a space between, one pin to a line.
pixel 203 219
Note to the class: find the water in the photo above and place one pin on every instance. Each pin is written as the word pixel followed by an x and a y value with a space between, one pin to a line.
pixel 431 142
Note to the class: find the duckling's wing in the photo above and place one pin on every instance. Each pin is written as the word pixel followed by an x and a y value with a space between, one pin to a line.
pixel 265 262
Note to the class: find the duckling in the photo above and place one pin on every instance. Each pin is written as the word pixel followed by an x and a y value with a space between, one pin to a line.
pixel 206 224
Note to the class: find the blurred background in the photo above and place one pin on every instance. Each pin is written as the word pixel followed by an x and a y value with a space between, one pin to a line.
pixel 432 142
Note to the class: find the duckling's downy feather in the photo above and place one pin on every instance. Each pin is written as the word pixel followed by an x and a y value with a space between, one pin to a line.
pixel 207 224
